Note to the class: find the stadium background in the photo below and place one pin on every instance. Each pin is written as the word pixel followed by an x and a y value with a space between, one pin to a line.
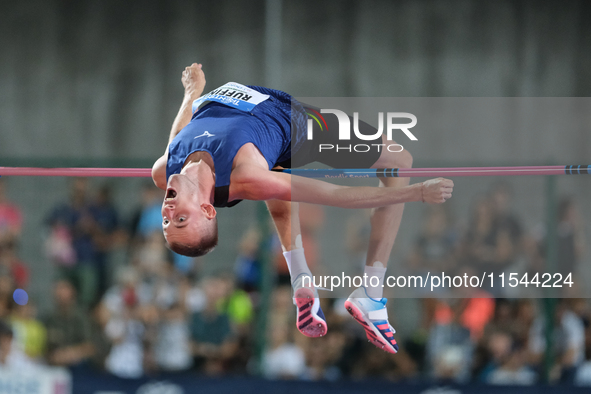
pixel 97 84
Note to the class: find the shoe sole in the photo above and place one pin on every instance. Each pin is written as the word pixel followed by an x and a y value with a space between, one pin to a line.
pixel 309 323
pixel 373 334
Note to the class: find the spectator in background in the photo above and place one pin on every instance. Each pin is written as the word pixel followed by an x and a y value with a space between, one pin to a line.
pixel 11 357
pixel 102 346
pixel 6 291
pixel 29 332
pixel 473 306
pixel 126 290
pixel 503 319
pixel 508 330
pixel 507 362
pixel 71 243
pixel 68 331
pixel 282 303
pixel 570 247
pixel 166 289
pixel 247 266
pixel 479 243
pixel 507 227
pixel 416 343
pixel 282 359
pixel 126 331
pixel 214 343
pixel 147 218
pixel 236 304
pixel 583 374
pixel 450 349
pixel 504 219
pixel 496 349
pixel 106 234
pixel 377 365
pixel 173 344
pixel 131 324
pixel 525 315
pixel 568 338
pixel 356 360
pixel 151 258
pixel 570 238
pixel 193 295
pixel 12 265
pixel 322 358
pixel 513 371
pixel 11 218
pixel 435 248
pixel 493 239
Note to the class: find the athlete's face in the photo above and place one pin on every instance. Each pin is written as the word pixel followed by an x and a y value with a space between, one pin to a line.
pixel 183 214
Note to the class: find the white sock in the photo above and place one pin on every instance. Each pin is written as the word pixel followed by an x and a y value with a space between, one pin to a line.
pixel 296 263
pixel 377 270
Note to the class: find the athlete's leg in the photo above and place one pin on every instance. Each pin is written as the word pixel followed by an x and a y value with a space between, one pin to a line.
pixel 286 218
pixel 366 304
pixel 310 319
pixel 385 221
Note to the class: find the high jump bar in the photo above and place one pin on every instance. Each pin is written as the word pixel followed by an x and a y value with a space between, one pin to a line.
pixel 322 173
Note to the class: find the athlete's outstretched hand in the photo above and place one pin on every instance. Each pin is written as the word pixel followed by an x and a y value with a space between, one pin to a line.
pixel 437 191
pixel 193 80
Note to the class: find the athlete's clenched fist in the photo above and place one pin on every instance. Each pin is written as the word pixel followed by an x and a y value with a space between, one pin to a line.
pixel 437 191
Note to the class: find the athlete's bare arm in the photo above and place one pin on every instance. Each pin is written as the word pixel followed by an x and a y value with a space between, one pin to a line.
pixel 256 183
pixel 253 182
pixel 193 80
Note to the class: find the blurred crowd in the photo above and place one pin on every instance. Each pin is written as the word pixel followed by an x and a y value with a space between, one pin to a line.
pixel 158 314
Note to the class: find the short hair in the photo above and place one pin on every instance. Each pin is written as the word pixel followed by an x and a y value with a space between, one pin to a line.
pixel 206 244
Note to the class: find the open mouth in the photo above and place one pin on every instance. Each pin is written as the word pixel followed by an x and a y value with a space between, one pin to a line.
pixel 170 194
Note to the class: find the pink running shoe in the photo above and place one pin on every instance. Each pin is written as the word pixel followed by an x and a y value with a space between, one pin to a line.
pixel 373 316
pixel 310 319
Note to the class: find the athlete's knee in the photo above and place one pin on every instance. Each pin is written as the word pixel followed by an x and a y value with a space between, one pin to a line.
pixel 406 159
pixel 402 159
pixel 279 209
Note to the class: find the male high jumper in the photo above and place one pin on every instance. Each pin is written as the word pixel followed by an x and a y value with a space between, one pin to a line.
pixel 221 150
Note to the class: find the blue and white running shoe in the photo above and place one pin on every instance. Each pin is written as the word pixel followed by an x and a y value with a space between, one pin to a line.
pixel 310 319
pixel 373 316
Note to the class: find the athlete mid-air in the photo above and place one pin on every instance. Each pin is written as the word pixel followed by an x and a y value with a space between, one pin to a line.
pixel 221 150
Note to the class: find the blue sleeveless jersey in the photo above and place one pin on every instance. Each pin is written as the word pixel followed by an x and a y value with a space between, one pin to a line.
pixel 221 130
